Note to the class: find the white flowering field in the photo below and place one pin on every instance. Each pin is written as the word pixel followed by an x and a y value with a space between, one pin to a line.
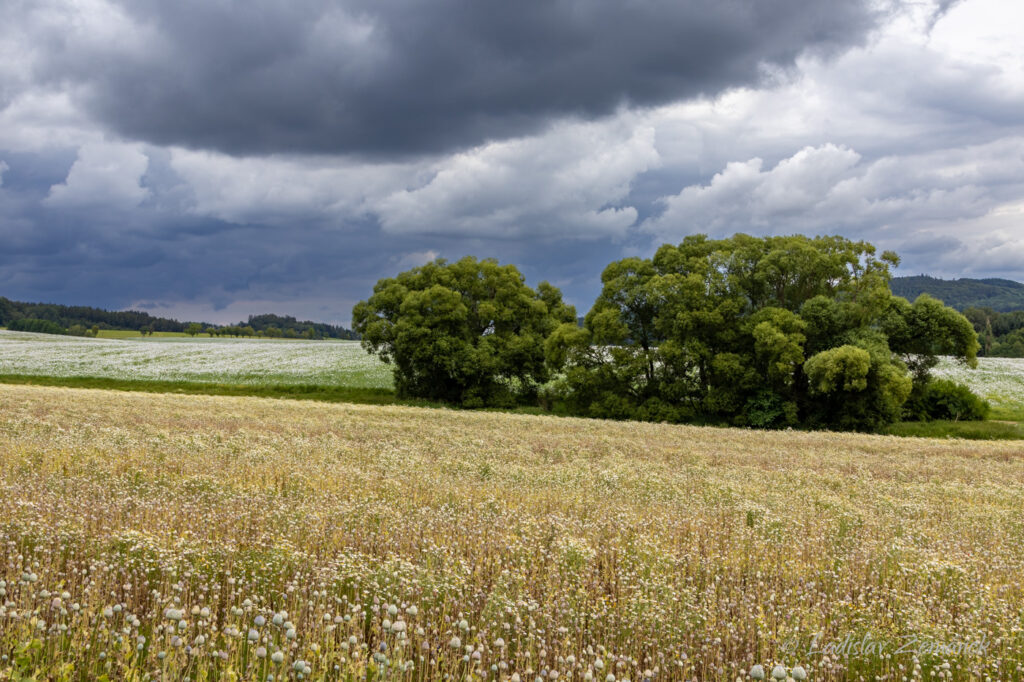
pixel 235 361
pixel 999 380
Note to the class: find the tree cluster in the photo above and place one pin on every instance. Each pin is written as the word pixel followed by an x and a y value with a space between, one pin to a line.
pixel 772 332
pixel 232 330
pixel 80 330
pixel 31 324
pixel 1001 334
pixel 286 326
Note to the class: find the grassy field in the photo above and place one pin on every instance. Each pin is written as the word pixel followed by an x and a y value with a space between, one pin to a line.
pixel 233 538
pixel 990 429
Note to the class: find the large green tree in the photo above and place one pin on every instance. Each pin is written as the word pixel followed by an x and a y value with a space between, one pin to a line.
pixel 470 332
pixel 768 331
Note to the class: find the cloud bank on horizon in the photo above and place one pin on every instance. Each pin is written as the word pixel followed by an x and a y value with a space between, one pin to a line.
pixel 211 160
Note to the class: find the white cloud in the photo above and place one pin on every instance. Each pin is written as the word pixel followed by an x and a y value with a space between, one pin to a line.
pixel 43 120
pixel 277 190
pixel 3 169
pixel 565 182
pixel 950 212
pixel 905 91
pixel 984 32
pixel 105 175
pixel 744 196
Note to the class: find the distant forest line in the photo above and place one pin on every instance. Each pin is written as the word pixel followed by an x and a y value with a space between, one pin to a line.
pixel 79 320
pixel 1001 295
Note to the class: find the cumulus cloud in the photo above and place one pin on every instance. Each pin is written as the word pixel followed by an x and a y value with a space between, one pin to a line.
pixel 105 175
pixel 905 91
pixel 280 190
pixel 569 181
pixel 745 196
pixel 829 189
pixel 40 121
pixel 566 182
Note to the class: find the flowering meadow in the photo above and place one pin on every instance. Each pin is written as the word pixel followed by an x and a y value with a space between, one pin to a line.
pixel 236 361
pixel 998 380
pixel 171 537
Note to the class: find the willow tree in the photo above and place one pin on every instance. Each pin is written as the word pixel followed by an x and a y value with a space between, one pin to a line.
pixel 770 331
pixel 470 332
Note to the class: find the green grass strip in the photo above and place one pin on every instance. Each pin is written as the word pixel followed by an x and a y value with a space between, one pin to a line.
pixel 986 430
pixel 1005 425
pixel 330 394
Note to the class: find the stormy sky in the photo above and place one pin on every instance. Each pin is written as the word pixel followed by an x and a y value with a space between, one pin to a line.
pixel 208 160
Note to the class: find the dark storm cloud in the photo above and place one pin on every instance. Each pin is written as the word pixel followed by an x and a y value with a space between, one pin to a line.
pixel 72 261
pixel 303 271
pixel 382 77
pixel 175 263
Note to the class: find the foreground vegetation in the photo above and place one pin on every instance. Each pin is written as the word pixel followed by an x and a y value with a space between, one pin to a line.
pixel 1007 424
pixel 233 538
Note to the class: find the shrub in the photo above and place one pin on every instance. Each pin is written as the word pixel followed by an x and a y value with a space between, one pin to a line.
pixel 945 399
pixel 855 388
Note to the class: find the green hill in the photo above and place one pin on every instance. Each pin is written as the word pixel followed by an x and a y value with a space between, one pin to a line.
pixel 64 317
pixel 85 316
pixel 1002 295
